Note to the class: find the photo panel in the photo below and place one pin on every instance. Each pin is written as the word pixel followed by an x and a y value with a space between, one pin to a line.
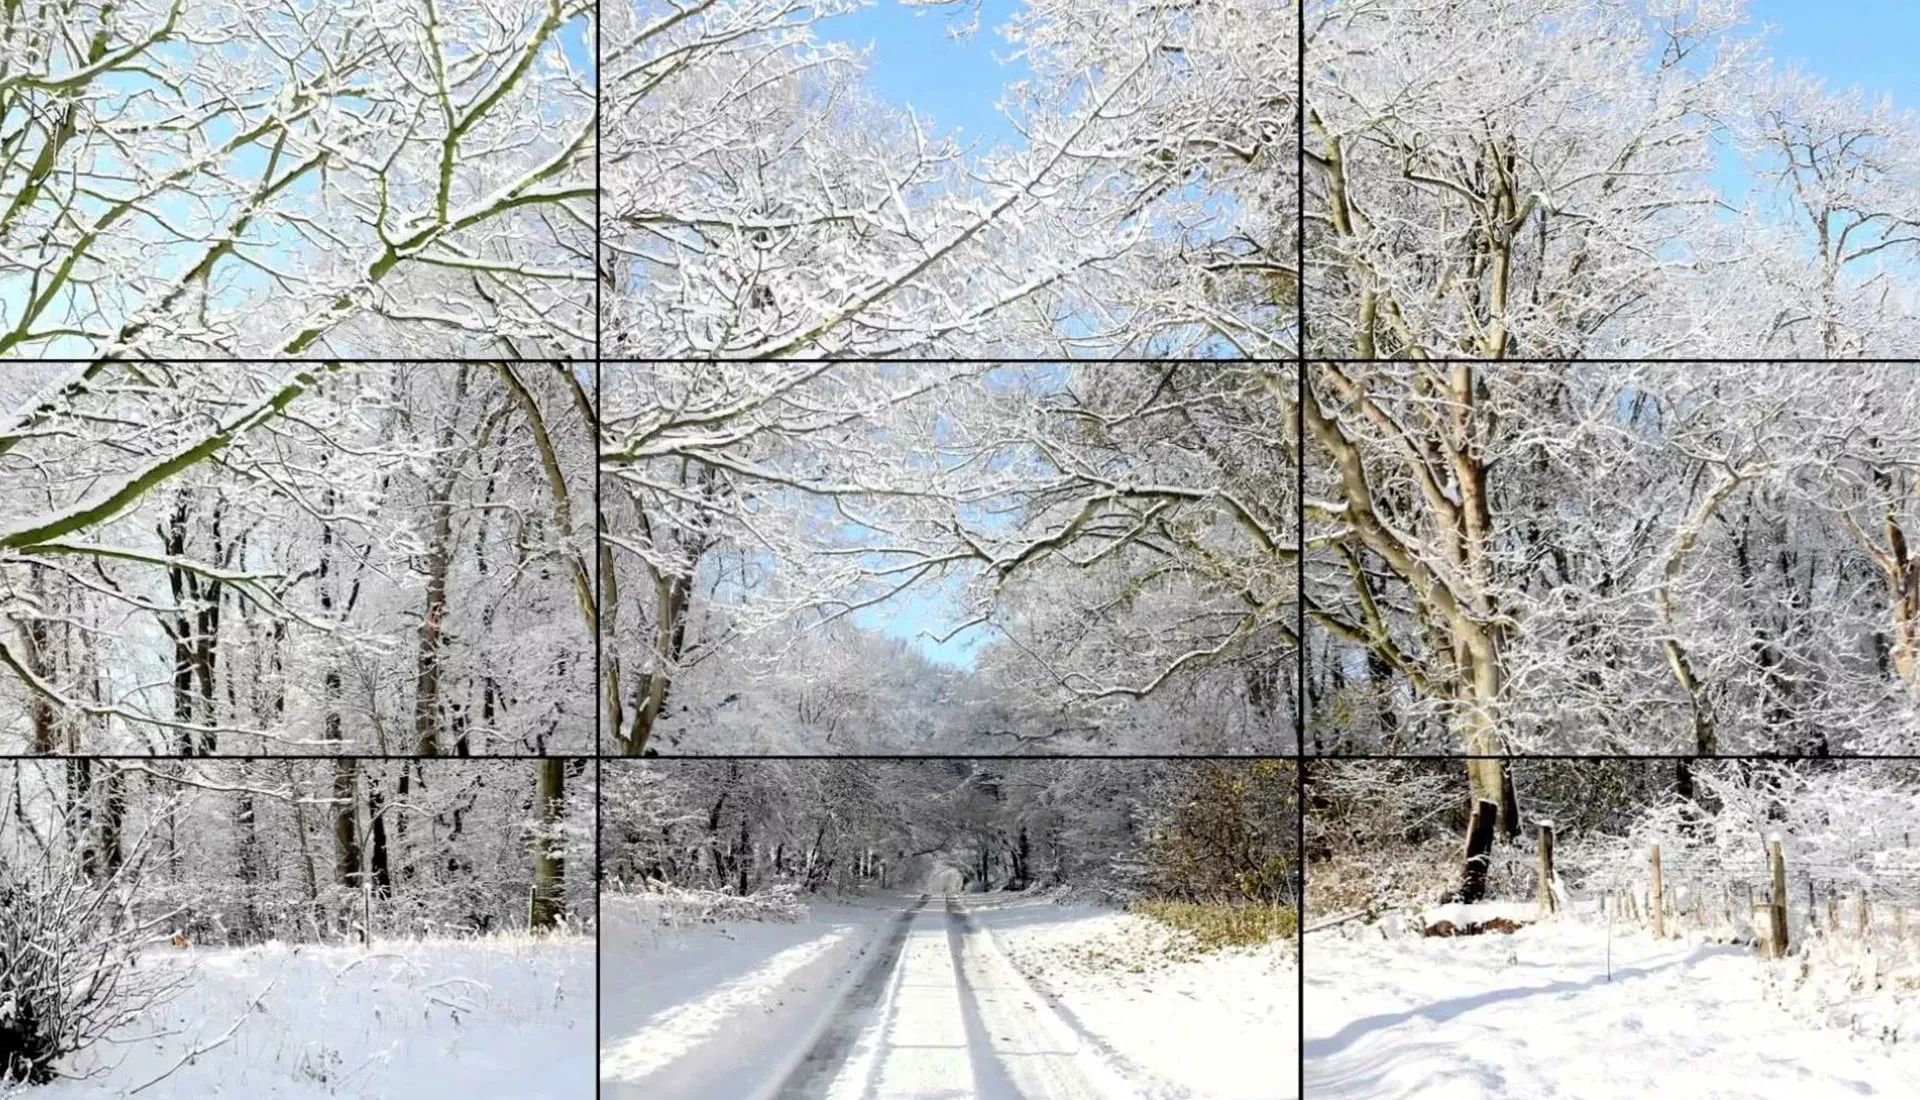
pixel 298 179
pixel 256 559
pixel 278 927
pixel 1610 558
pixel 1561 179
pixel 1028 178
pixel 1617 918
pixel 944 927
pixel 936 558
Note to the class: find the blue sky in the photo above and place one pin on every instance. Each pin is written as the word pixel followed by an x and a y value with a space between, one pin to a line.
pixel 1866 42
pixel 915 61
pixel 957 82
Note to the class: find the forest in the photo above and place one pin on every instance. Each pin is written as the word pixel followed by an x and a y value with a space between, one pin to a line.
pixel 1688 559
pixel 247 559
pixel 1078 558
pixel 1219 832
pixel 1483 179
pixel 1149 207
pixel 1568 179
pixel 727 179
pixel 138 900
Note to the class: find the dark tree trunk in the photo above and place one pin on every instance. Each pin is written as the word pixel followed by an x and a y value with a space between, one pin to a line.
pixel 382 866
pixel 1480 827
pixel 346 826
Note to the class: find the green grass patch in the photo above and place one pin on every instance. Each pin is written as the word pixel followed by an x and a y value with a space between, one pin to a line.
pixel 1214 925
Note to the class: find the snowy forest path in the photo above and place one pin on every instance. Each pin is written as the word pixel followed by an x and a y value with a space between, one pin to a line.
pixel 729 1008
pixel 943 1014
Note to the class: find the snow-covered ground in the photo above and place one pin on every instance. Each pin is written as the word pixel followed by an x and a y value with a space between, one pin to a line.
pixel 508 1017
pixel 1534 1016
pixel 938 996
pixel 1222 1024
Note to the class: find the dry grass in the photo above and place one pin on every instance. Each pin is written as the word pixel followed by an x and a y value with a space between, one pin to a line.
pixel 1382 877
pixel 1214 925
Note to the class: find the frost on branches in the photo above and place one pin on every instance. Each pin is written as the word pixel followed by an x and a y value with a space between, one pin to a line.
pixel 1685 558
pixel 1489 179
pixel 848 558
pixel 247 559
pixel 274 178
pixel 760 202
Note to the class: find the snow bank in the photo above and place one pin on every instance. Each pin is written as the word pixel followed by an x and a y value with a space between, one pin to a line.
pixel 677 907
pixel 1179 1021
pixel 507 1016
pixel 1871 989
pixel 717 1008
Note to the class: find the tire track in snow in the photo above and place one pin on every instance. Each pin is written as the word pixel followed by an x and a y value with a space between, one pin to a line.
pixel 828 1053
pixel 1152 1085
pixel 943 1015
pixel 990 1076
pixel 1020 1048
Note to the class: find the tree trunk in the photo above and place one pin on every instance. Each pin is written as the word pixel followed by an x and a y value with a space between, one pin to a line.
pixel 113 819
pixel 1022 849
pixel 1479 854
pixel 671 598
pixel 39 661
pixel 381 864
pixel 346 824
pixel 547 905
pixel 426 700
pixel 310 874
pixel 250 871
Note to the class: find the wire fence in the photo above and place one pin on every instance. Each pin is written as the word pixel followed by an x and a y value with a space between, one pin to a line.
pixel 1875 894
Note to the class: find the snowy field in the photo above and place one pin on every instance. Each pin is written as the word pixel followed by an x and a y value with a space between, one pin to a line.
pixel 508 1017
pixel 1534 1016
pixel 942 996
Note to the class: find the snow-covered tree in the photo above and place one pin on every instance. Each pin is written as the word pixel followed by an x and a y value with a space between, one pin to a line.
pixel 760 203
pixel 1113 533
pixel 1493 179
pixel 248 558
pixel 274 178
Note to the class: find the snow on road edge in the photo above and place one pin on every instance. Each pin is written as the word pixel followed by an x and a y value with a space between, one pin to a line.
pixel 672 1032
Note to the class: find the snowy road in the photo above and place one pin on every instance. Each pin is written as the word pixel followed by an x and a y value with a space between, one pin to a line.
pixel 944 1015
pixel 898 999
pixel 1535 1016
pixel 940 997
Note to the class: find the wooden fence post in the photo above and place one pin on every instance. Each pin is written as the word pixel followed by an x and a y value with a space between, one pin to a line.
pixel 1548 905
pixel 1778 860
pixel 1860 919
pixel 1657 904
